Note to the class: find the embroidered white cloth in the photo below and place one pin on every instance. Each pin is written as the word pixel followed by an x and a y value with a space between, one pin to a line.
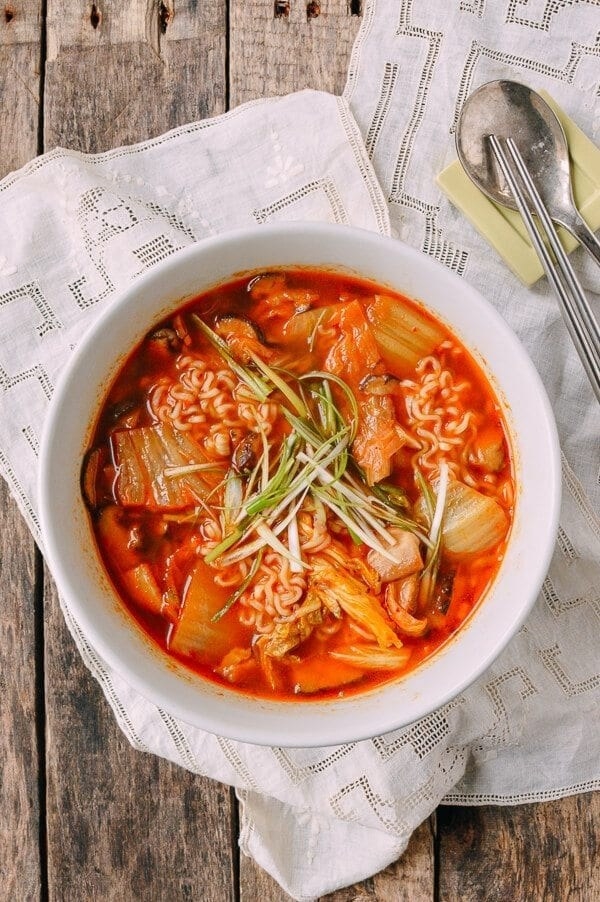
pixel 78 228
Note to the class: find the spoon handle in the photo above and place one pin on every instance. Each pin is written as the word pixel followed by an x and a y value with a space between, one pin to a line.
pixel 579 228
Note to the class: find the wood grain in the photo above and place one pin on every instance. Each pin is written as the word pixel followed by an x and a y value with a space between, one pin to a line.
pixel 306 46
pixel 117 73
pixel 20 60
pixel 20 862
pixel 546 851
pixel 21 816
pixel 410 879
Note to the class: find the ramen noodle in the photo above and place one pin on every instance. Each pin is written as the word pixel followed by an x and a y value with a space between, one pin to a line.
pixel 300 484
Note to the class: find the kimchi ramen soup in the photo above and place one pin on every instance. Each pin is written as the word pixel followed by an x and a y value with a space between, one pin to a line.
pixel 300 484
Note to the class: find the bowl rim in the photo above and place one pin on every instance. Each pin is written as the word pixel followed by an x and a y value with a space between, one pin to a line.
pixel 331 730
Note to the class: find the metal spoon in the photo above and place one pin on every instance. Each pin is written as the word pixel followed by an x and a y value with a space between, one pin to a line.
pixel 509 109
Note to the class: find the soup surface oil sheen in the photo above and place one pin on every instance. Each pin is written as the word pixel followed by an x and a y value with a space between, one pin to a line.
pixel 300 484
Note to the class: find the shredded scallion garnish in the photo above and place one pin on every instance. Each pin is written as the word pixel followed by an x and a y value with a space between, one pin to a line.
pixel 312 461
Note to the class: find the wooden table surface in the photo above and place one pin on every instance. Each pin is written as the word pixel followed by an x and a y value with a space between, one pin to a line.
pixel 82 815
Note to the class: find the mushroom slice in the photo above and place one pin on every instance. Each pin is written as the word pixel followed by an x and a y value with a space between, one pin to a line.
pixel 246 453
pixel 442 594
pixel 406 592
pixel 379 384
pixel 403 620
pixel 488 450
pixel 266 284
pixel 243 336
pixel 91 476
pixel 406 553
pixel 166 338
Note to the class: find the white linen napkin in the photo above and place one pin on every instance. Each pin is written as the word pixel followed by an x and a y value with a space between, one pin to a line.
pixel 79 228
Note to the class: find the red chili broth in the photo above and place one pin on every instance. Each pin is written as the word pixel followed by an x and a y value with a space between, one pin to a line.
pixel 141 370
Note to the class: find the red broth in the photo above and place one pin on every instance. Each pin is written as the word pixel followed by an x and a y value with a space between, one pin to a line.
pixel 300 484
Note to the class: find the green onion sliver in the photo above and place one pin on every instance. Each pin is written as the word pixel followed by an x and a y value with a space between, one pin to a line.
pixel 240 589
pixel 256 385
pixel 332 377
pixel 288 392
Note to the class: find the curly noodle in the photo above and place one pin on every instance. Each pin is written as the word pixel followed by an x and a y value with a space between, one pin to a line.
pixel 211 405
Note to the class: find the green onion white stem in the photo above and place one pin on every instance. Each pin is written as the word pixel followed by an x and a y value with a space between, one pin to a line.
pixel 232 499
pixel 313 335
pixel 358 529
pixel 271 539
pixel 326 478
pixel 293 538
pixel 442 489
pixel 243 551
pixel 436 505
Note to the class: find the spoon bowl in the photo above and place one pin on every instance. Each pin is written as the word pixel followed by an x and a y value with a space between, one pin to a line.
pixel 509 109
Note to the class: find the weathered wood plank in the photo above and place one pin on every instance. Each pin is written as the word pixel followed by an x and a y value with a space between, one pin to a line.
pixel 122 825
pixel 534 852
pixel 410 879
pixel 20 864
pixel 118 73
pixel 20 30
pixel 20 861
pixel 278 47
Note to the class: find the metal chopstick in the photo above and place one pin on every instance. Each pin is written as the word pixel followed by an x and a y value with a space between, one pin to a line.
pixel 587 315
pixel 579 319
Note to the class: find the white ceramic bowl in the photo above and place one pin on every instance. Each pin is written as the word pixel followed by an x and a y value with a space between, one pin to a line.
pixel 78 572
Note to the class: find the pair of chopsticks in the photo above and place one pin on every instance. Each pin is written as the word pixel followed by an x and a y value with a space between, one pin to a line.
pixel 578 315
